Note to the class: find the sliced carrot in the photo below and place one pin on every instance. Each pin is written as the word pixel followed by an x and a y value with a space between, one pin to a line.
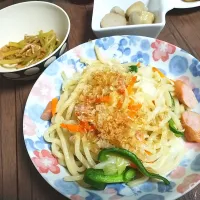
pixel 86 126
pixel 131 114
pixel 74 128
pixel 104 99
pixel 159 72
pixel 119 104
pixel 134 107
pixel 133 165
pixel 131 84
pixel 54 103
pixel 147 152
pixel 131 103
pixel 121 91
pixel 138 64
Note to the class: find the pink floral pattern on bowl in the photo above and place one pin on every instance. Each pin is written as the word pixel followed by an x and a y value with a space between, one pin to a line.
pixel 162 50
pixel 78 51
pixel 110 191
pixel 178 173
pixel 45 162
pixel 195 146
pixel 76 197
pixel 26 126
pixel 42 90
pixel 188 182
pixel 115 197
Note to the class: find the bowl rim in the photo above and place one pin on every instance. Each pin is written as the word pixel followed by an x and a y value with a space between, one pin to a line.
pixel 56 50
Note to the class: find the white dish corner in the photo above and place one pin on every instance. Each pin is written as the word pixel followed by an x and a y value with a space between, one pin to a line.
pixel 102 7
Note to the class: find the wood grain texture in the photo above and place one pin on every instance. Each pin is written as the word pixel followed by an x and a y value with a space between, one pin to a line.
pixel 8 141
pixel 1 152
pixel 19 180
pixel 23 161
pixel 183 30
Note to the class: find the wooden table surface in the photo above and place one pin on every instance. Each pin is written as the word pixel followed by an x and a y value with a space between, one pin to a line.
pixel 19 180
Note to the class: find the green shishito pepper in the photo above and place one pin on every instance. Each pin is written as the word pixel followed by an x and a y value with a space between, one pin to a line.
pixel 174 129
pixel 172 99
pixel 97 178
pixel 133 68
pixel 103 156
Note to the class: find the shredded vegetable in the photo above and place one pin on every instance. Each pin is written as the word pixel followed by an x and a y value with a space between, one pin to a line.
pixel 28 51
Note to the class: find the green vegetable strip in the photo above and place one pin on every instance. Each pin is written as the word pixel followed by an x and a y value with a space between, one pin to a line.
pixel 133 68
pixel 9 53
pixel 88 178
pixel 103 155
pixel 12 61
pixel 129 175
pixel 172 99
pixel 41 38
pixel 22 53
pixel 64 77
pixel 46 34
pixel 174 129
pixel 27 60
pixel 97 178
pixel 17 45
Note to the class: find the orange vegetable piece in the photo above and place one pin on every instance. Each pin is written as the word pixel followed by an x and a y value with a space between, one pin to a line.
pixel 74 128
pixel 121 91
pixel 147 152
pixel 131 103
pixel 131 114
pixel 47 113
pixel 133 165
pixel 86 126
pixel 54 103
pixel 138 64
pixel 119 104
pixel 131 84
pixel 157 70
pixel 104 99
pixel 152 161
pixel 134 107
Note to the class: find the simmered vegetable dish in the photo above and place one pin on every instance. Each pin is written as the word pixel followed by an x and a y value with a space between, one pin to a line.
pixel 28 51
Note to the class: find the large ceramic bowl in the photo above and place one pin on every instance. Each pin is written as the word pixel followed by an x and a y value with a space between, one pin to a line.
pixel 29 18
pixel 174 62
